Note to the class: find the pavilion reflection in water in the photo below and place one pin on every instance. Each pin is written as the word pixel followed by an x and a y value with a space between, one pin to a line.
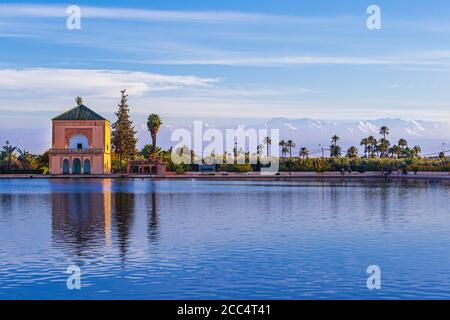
pixel 83 221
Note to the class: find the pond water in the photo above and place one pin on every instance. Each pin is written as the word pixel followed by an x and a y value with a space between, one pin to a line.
pixel 188 239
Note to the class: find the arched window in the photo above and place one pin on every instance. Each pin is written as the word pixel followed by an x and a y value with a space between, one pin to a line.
pixel 87 167
pixel 66 167
pixel 79 141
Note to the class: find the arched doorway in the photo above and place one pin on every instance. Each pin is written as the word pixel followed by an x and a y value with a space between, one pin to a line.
pixel 87 167
pixel 76 166
pixel 66 167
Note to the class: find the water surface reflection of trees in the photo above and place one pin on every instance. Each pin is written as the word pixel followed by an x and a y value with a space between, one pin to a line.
pixel 84 223
pixel 80 221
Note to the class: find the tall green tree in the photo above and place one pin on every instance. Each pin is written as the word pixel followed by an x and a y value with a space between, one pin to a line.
pixel 372 145
pixel 282 145
pixel 417 150
pixel 153 124
pixel 9 150
pixel 24 158
pixel 395 151
pixel 352 152
pixel 123 135
pixel 304 152
pixel 268 142
pixel 290 144
pixel 335 149
pixel 335 139
pixel 384 131
pixel 146 151
pixel 365 143
pixel 42 160
pixel 402 143
pixel 383 147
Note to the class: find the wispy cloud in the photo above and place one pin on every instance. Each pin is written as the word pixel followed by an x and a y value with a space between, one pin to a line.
pixel 94 83
pixel 245 63
pixel 250 92
pixel 410 86
pixel 58 11
pixel 280 61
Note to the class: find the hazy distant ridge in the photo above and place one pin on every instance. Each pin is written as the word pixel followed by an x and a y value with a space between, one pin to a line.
pixel 305 132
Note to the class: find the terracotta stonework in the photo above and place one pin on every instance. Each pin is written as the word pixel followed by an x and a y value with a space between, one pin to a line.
pixel 93 157
pixel 70 132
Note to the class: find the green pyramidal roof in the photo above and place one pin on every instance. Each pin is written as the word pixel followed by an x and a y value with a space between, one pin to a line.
pixel 79 113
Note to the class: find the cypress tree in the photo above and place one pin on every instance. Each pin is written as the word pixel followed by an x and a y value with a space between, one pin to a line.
pixel 123 135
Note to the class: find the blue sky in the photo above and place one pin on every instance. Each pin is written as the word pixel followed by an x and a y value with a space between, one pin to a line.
pixel 236 59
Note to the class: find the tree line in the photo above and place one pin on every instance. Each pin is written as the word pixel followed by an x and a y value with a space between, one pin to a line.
pixel 371 148
pixel 124 147
pixel 16 160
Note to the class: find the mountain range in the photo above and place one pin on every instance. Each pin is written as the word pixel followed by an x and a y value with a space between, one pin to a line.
pixel 305 132
pixel 314 134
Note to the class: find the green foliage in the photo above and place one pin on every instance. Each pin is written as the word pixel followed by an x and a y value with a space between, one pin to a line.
pixel 153 124
pixel 179 169
pixel 335 151
pixel 396 158
pixel 235 167
pixel 123 138
pixel 352 152
pixel 363 164
pixel 14 160
pixel 146 151
pixel 119 165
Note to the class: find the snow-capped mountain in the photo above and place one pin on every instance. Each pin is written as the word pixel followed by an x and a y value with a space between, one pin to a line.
pixel 305 132
pixel 311 133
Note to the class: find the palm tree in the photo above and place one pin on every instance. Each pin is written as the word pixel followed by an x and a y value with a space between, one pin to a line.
pixel 383 147
pixel 259 149
pixel 417 150
pixel 268 142
pixel 365 142
pixel 396 151
pixel 146 151
pixel 284 151
pixel 372 145
pixel 24 158
pixel 304 152
pixel 290 144
pixel 153 124
pixel 79 101
pixel 335 139
pixel 402 143
pixel 335 150
pixel 384 131
pixel 282 144
pixel 408 153
pixel 9 150
pixel 352 152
